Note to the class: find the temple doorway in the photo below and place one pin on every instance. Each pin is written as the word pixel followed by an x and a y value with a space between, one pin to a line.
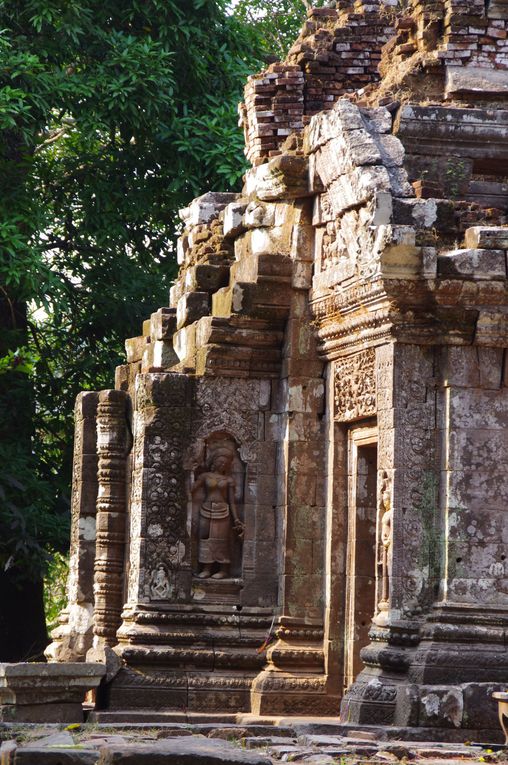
pixel 361 546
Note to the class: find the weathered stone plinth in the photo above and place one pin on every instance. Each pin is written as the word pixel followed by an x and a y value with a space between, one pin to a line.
pixel 294 680
pixel 38 692
pixel 195 659
pixel 440 676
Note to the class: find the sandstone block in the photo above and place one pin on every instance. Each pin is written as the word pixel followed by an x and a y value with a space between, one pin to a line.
pixel 37 692
pixel 479 706
pixel 315 182
pixel 181 751
pixel 122 376
pixel 302 243
pixel 487 238
pixel 383 208
pixel 302 276
pixel 473 263
pixel 263 267
pixel 264 301
pixel 258 214
pixel 340 155
pixel 191 307
pixel 206 207
pixel 222 302
pixel 379 118
pixel 460 367
pixel 182 247
pixel 360 148
pixel 233 218
pixel 270 240
pixel 470 79
pixel 206 278
pixel 441 706
pixel 322 210
pixel 147 358
pixel 134 347
pixel 326 125
pixel 184 342
pixel 399 182
pixel 163 324
pixel 492 328
pixel 164 355
pixel 175 292
pixel 33 755
pixel 285 176
pixel 421 213
pixel 86 404
pixel 357 187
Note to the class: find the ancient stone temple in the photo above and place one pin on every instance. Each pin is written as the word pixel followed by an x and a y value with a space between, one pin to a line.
pixel 310 441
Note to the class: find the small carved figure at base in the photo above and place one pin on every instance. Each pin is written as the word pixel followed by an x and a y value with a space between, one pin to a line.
pixel 217 516
pixel 159 583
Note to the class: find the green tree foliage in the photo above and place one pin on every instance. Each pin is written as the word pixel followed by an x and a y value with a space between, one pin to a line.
pixel 278 22
pixel 113 114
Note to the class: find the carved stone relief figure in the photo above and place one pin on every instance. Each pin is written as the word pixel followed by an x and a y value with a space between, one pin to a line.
pixel 218 517
pixel 385 550
pixel 160 588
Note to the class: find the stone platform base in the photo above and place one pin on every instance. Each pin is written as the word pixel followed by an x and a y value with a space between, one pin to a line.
pixel 149 717
pixel 52 693
pixel 249 742
pixel 447 735
pixel 292 693
pixel 148 687
pixel 304 725
pixel 41 713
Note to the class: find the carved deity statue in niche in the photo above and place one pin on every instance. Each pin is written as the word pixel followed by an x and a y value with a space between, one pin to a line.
pixel 218 514
pixel 385 551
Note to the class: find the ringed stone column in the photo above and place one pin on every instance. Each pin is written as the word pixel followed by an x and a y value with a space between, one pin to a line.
pixel 112 446
pixel 73 636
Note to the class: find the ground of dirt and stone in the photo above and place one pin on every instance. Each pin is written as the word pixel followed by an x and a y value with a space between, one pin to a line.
pixel 224 744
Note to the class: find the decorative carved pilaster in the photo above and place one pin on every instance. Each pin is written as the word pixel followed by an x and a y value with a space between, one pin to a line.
pixel 112 446
pixel 73 637
pixel 159 556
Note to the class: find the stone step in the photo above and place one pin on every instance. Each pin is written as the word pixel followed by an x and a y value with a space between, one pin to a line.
pixel 259 742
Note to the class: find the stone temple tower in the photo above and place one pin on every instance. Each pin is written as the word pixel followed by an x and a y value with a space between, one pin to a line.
pixel 311 439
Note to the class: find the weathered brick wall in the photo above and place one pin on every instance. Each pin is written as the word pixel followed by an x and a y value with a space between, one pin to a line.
pixel 337 52
pixel 461 32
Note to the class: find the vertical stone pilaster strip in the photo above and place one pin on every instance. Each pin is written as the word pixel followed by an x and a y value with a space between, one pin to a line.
pixel 112 446
pixel 294 679
pixel 73 637
pixel 406 423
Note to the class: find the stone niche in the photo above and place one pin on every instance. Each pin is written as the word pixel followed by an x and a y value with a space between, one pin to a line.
pixel 294 501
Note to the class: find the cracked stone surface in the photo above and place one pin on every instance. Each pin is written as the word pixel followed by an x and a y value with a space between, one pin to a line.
pixel 206 744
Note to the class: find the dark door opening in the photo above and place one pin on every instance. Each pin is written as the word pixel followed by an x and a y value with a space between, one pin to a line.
pixel 361 563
